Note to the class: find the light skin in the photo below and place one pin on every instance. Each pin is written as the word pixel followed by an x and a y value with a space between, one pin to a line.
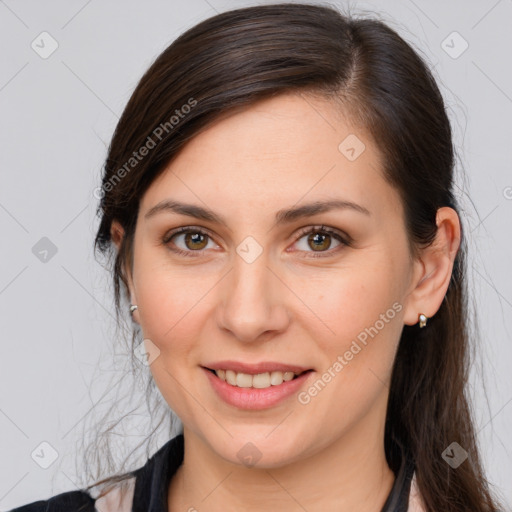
pixel 286 306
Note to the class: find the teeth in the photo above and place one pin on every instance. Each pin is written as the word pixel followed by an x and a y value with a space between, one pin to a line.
pixel 259 381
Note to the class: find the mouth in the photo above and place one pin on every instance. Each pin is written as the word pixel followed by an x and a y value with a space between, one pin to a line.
pixel 262 380
pixel 257 391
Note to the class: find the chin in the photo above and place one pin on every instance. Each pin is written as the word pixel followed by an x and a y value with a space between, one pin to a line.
pixel 259 450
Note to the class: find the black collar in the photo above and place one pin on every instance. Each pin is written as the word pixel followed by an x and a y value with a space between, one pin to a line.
pixel 398 498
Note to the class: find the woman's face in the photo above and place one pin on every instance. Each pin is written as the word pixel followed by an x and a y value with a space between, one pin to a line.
pixel 259 287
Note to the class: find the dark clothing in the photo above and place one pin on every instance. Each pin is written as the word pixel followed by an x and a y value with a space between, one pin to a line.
pixel 153 479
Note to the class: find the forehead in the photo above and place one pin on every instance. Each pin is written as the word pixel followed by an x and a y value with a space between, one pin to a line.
pixel 276 153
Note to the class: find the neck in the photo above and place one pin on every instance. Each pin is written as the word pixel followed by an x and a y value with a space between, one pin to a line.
pixel 349 474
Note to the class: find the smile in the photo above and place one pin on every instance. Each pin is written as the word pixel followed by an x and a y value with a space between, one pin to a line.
pixel 258 381
pixel 256 392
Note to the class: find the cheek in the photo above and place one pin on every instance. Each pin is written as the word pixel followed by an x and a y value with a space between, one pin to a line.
pixel 357 359
pixel 353 299
pixel 169 298
pixel 171 313
pixel 361 318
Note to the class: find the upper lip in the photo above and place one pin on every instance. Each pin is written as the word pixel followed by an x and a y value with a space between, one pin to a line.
pixel 254 369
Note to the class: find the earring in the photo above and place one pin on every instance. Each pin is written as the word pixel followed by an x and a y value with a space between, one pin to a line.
pixel 132 308
pixel 423 320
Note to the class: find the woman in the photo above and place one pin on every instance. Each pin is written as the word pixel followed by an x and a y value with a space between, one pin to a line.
pixel 279 197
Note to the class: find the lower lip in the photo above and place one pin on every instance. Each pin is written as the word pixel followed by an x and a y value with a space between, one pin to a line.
pixel 254 398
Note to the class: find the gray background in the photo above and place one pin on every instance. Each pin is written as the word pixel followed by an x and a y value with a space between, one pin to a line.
pixel 57 115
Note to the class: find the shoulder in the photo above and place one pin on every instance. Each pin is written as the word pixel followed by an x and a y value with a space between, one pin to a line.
pixel 72 501
pixel 132 492
pixel 116 499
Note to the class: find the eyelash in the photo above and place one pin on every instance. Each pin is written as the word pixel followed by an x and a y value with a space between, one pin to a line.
pixel 344 240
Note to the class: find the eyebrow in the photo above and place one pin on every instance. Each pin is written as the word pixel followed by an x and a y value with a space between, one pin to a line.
pixel 284 216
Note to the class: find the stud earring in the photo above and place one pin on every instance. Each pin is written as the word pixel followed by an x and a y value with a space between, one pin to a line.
pixel 423 320
pixel 133 307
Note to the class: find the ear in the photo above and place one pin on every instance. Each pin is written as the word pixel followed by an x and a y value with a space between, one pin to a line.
pixel 433 269
pixel 117 235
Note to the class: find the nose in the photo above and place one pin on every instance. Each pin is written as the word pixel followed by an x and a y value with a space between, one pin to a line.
pixel 252 304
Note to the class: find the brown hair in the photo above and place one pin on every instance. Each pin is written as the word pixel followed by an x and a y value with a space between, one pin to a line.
pixel 235 58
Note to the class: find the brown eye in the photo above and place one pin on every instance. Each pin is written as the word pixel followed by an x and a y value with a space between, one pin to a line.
pixel 319 240
pixel 193 240
pixel 196 240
